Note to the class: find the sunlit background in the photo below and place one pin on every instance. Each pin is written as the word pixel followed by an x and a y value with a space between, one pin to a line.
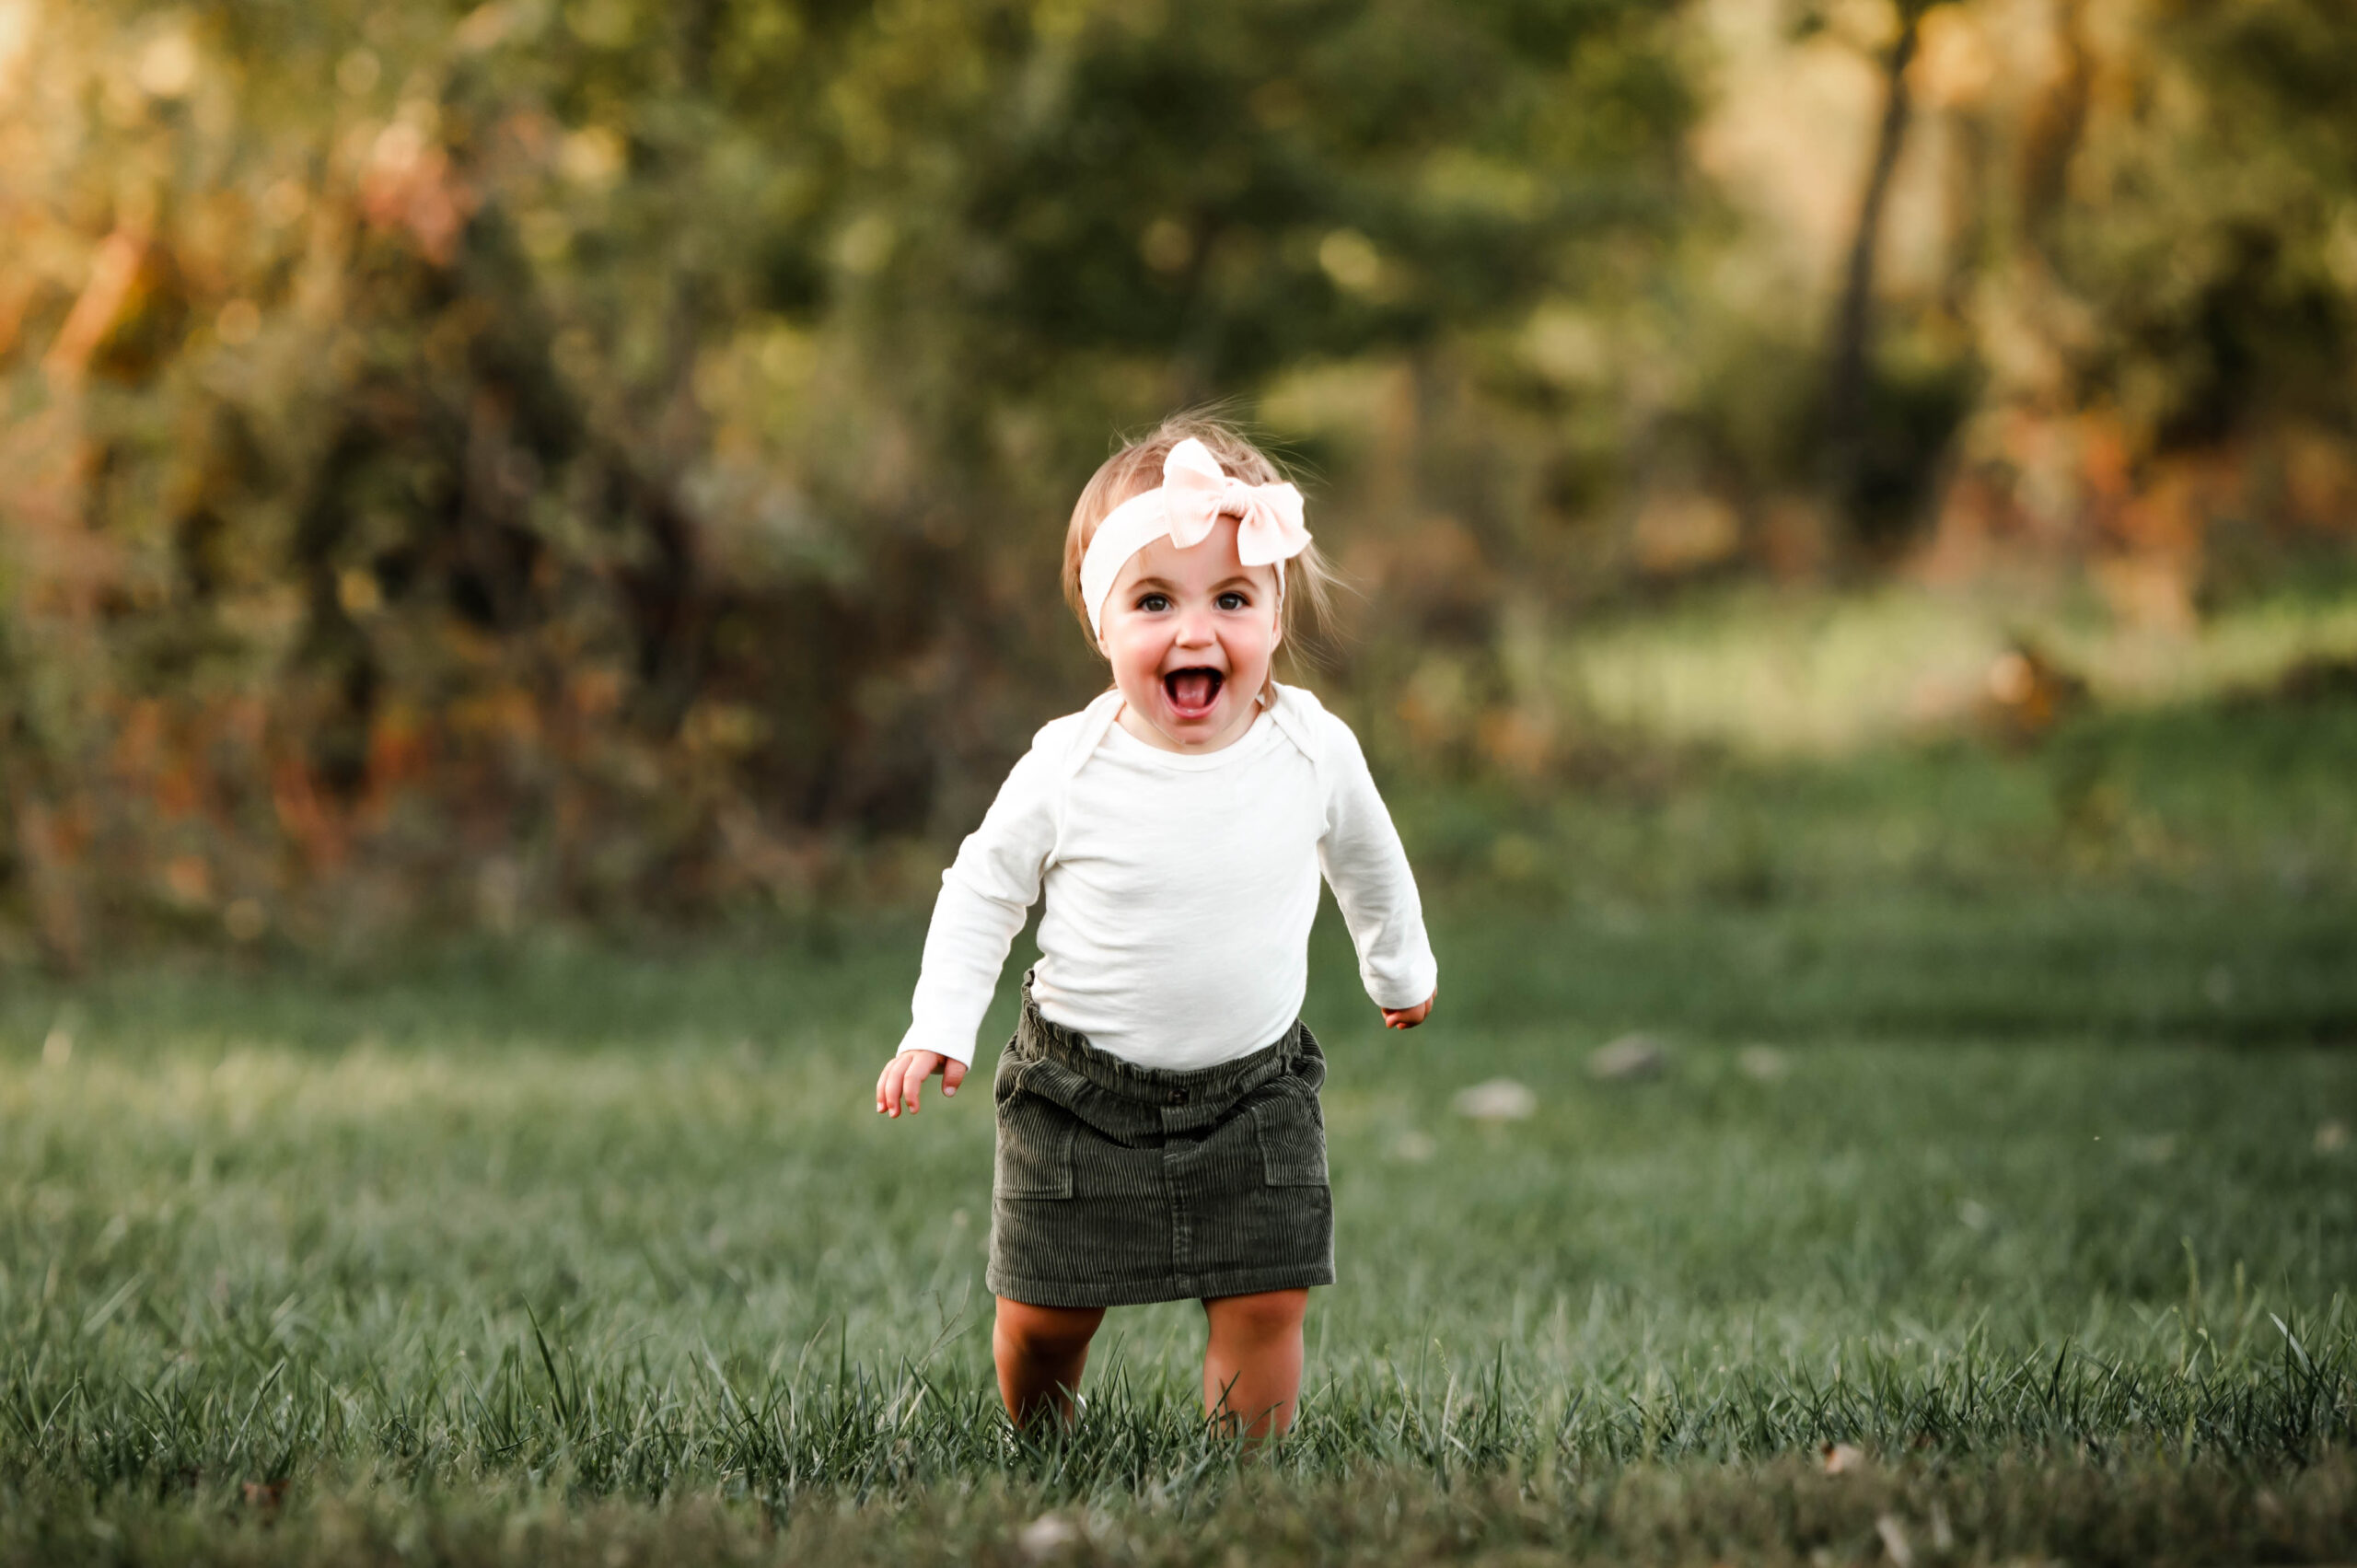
pixel 605 462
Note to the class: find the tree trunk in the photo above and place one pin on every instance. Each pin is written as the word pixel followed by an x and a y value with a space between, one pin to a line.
pixel 1845 401
pixel 2053 127
pixel 49 884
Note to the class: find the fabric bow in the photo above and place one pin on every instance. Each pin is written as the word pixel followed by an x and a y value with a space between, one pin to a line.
pixel 1196 493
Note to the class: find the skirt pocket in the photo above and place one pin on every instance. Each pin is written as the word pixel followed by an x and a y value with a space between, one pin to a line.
pixel 1291 1131
pixel 1035 1137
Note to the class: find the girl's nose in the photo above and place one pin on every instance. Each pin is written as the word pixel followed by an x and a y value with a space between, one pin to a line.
pixel 1194 629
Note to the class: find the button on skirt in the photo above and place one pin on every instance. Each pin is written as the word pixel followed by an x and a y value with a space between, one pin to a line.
pixel 1117 1184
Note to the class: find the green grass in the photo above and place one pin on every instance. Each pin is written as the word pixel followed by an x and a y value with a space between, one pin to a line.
pixel 2244 800
pixel 2045 1199
pixel 436 1258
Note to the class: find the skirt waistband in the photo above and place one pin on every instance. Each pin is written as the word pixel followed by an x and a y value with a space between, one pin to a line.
pixel 1036 1035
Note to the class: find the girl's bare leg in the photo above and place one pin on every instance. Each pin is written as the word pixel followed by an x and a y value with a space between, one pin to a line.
pixel 1040 1352
pixel 1252 1367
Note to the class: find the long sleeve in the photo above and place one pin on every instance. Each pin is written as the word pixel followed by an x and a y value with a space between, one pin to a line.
pixel 1367 868
pixel 985 896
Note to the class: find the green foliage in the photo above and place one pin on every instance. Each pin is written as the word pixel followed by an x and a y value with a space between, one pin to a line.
pixel 627 442
pixel 607 460
pixel 2223 282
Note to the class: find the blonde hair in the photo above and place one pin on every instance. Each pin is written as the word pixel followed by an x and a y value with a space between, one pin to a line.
pixel 1310 583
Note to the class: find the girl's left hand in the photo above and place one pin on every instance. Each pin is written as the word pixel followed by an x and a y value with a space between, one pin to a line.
pixel 1409 1017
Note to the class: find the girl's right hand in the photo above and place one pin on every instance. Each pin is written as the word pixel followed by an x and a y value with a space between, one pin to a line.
pixel 905 1073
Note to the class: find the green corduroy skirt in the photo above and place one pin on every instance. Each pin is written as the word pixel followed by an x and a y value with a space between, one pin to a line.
pixel 1117 1184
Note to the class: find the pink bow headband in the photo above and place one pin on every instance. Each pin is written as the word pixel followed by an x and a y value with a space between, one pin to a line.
pixel 1196 493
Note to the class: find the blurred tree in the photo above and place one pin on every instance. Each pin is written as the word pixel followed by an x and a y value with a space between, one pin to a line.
pixel 579 454
pixel 2219 238
pixel 612 457
pixel 1851 474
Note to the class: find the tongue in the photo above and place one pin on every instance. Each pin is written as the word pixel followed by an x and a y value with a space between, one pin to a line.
pixel 1192 688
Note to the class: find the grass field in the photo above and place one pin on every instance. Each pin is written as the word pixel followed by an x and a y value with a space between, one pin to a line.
pixel 2024 1170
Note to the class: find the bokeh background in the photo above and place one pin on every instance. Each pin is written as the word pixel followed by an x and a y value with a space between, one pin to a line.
pixel 529 530
pixel 601 465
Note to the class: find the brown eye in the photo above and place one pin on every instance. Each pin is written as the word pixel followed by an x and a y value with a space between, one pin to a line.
pixel 1153 603
pixel 1231 601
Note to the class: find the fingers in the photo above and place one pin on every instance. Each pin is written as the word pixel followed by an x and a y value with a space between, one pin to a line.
pixel 897 1086
pixel 900 1087
pixel 1409 1017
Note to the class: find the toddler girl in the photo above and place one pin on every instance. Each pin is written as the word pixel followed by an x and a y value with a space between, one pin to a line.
pixel 1159 1135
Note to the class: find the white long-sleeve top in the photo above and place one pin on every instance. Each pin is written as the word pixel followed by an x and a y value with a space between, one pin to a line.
pixel 1181 887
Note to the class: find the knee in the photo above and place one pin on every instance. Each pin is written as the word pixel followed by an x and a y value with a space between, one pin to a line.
pixel 1268 1316
pixel 1044 1331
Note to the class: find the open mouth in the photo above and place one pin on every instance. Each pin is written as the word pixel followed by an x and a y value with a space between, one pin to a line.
pixel 1192 692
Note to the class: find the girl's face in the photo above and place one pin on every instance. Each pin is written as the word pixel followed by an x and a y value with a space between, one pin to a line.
pixel 1191 634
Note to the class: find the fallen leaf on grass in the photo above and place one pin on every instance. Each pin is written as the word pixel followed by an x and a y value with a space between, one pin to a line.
pixel 263 1495
pixel 1630 1057
pixel 1499 1100
pixel 2332 1137
pixel 1894 1541
pixel 1762 1063
pixel 1840 1459
pixel 1047 1536
pixel 1413 1147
